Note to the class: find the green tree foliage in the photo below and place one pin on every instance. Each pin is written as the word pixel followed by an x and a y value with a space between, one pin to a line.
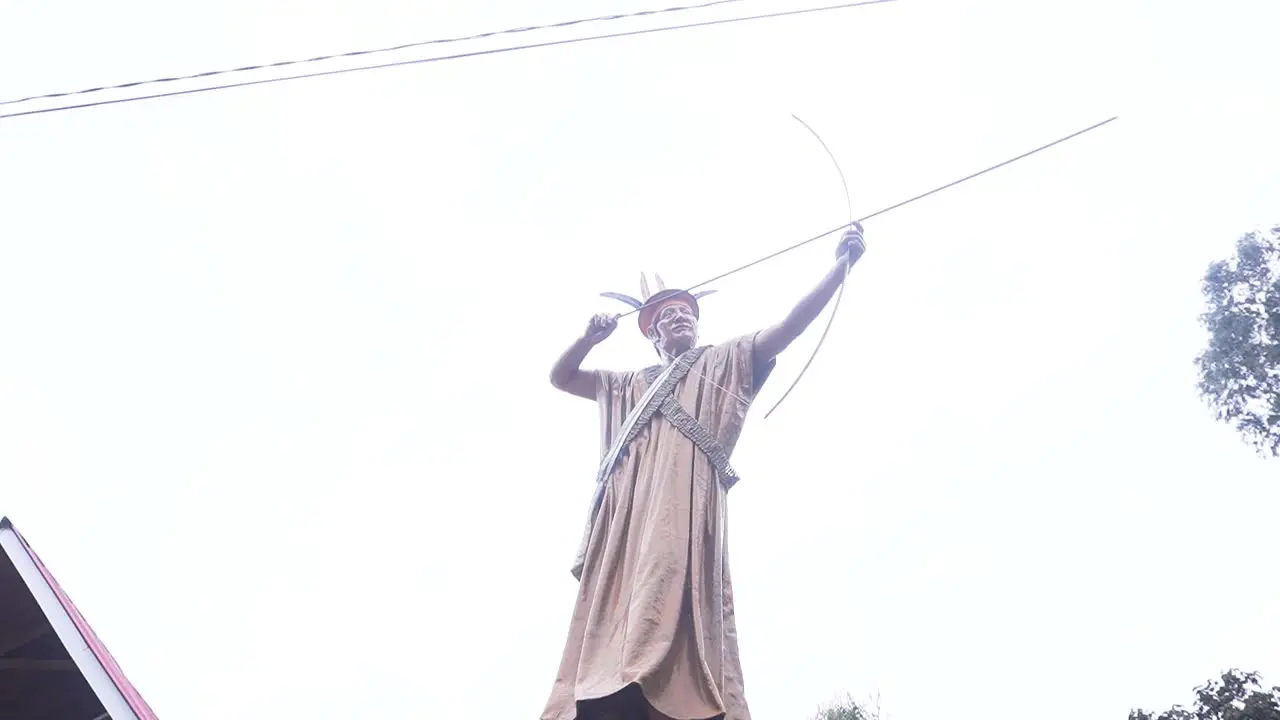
pixel 1240 369
pixel 1237 696
pixel 846 709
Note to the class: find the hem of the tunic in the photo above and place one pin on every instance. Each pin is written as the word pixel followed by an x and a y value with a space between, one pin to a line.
pixel 644 695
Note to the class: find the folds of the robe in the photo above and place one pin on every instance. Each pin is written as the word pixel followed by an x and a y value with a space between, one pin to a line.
pixel 654 608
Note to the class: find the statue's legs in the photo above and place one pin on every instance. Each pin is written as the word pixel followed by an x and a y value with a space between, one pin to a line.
pixel 655 715
pixel 627 704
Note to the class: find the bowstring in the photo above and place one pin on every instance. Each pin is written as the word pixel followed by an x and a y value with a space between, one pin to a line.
pixel 884 210
pixel 851 223
pixel 835 307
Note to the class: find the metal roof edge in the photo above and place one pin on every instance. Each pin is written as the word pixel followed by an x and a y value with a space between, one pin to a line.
pixel 90 654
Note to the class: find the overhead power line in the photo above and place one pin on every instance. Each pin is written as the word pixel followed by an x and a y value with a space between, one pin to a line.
pixel 374 51
pixel 420 61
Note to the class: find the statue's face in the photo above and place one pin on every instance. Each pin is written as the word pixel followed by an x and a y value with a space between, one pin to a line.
pixel 676 327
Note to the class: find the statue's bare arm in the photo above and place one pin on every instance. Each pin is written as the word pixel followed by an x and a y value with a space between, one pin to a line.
pixel 774 339
pixel 771 341
pixel 567 375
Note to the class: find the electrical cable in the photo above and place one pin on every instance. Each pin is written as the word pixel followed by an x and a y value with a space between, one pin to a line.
pixel 441 58
pixel 358 53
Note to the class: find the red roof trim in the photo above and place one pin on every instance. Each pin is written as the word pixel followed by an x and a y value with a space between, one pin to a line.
pixel 126 688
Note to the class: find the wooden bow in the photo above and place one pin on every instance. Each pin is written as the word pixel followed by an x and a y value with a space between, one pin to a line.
pixel 839 293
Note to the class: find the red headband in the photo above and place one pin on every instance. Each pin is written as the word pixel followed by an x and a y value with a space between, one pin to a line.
pixel 649 314
pixel 652 304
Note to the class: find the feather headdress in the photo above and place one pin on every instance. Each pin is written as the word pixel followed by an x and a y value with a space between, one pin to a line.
pixel 650 303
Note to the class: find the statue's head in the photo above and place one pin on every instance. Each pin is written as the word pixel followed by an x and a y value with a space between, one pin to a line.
pixel 671 323
pixel 669 317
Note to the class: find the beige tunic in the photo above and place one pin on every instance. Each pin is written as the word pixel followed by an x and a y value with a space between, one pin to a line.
pixel 655 602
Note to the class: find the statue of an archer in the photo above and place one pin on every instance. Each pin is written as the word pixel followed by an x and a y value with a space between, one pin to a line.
pixel 653 634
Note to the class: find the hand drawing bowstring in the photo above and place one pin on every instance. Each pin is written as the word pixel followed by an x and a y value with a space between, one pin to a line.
pixel 852 222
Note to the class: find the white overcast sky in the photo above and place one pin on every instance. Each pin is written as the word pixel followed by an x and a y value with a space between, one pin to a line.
pixel 273 361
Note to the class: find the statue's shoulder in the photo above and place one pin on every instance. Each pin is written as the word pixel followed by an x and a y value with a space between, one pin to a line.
pixel 623 378
pixel 650 373
pixel 738 344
